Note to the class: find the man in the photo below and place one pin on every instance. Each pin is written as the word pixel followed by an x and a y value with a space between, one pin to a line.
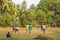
pixel 8 35
pixel 16 29
pixel 30 28
pixel 44 28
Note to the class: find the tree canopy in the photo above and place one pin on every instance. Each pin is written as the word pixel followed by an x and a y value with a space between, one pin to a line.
pixel 46 12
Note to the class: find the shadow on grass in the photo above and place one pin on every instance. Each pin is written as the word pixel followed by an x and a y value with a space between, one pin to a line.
pixel 39 37
pixel 10 39
pixel 16 39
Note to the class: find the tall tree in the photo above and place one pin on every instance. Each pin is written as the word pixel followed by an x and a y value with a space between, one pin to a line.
pixel 33 7
pixel 23 13
pixel 48 6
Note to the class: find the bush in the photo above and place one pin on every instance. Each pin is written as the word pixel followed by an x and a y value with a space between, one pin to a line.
pixel 3 24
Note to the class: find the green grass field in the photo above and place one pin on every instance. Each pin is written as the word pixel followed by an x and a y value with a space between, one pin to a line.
pixel 22 34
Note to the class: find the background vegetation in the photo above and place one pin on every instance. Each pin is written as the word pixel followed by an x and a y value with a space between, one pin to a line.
pixel 47 12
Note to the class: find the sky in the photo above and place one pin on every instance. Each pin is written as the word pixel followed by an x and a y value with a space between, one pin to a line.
pixel 29 2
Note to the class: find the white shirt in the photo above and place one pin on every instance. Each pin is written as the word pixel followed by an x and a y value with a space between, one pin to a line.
pixel 44 27
pixel 16 28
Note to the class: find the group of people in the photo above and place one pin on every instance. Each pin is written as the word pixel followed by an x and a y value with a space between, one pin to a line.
pixel 28 29
pixel 15 29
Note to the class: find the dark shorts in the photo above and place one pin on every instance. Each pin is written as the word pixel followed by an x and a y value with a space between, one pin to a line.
pixel 43 29
pixel 13 28
pixel 16 29
pixel 8 35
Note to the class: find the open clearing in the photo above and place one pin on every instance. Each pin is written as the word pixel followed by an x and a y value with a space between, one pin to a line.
pixel 37 34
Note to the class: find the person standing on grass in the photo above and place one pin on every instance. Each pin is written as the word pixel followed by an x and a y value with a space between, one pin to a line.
pixel 30 28
pixel 8 35
pixel 27 27
pixel 44 28
pixel 16 29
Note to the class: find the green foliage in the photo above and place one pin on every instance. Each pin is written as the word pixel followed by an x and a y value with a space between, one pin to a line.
pixel 47 11
pixel 31 16
pixel 41 16
pixel 33 7
pixel 2 23
pixel 51 8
